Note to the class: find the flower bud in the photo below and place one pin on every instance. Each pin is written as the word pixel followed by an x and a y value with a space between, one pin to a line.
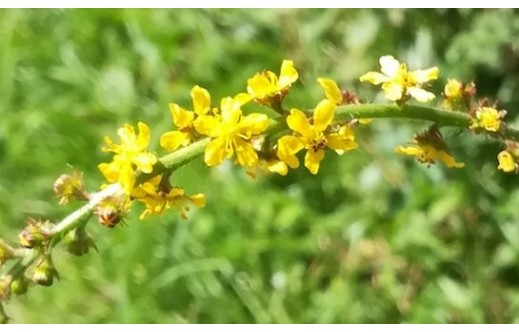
pixel 78 241
pixel 112 210
pixel 70 186
pixel 35 233
pixel 44 272
pixel 19 286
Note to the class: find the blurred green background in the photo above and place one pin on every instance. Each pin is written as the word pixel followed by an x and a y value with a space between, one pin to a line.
pixel 374 237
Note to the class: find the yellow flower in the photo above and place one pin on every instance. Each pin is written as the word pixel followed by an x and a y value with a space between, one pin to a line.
pixel 266 84
pixel 331 90
pixel 158 198
pixel 488 118
pixel 506 161
pixel 183 120
pixel 453 89
pixel 428 147
pixel 398 83
pixel 131 156
pixel 231 132
pixel 314 136
pixel 334 94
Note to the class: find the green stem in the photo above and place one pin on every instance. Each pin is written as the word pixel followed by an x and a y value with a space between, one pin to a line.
pixel 440 117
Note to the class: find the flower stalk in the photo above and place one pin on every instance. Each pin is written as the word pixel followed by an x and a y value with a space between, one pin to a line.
pixel 257 143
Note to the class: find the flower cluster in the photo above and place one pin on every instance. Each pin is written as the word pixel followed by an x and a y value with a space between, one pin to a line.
pixel 231 132
pixel 131 158
pixel 399 85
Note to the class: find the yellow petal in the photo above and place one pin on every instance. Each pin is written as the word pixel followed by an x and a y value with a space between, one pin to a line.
pixel 389 65
pixel 254 124
pixel 392 91
pixel 201 100
pixel 153 182
pixel 422 76
pixel 298 122
pixel 288 74
pixel 331 90
pixel 215 152
pixel 341 143
pixel 409 150
pixel 145 161
pixel 181 117
pixel 127 134
pixel 175 193
pixel 110 171
pixel 288 146
pixel 144 136
pixel 323 114
pixel 171 140
pixel 453 89
pixel 231 112
pixel 110 146
pixel 506 161
pixel 242 98
pixel 208 125
pixel 198 200
pixel 262 85
pixel 245 154
pixel 489 118
pixel 313 159
pixel 127 178
pixel 448 160
pixel 374 78
pixel 277 166
pixel 420 94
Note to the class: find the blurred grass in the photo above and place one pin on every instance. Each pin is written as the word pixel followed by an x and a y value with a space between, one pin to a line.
pixel 373 237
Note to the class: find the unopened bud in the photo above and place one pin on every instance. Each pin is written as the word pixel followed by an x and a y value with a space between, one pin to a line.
pixel 35 233
pixel 70 186
pixel 19 286
pixel 44 272
pixel 78 241
pixel 112 210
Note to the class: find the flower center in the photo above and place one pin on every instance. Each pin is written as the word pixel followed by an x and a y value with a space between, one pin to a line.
pixel 318 143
